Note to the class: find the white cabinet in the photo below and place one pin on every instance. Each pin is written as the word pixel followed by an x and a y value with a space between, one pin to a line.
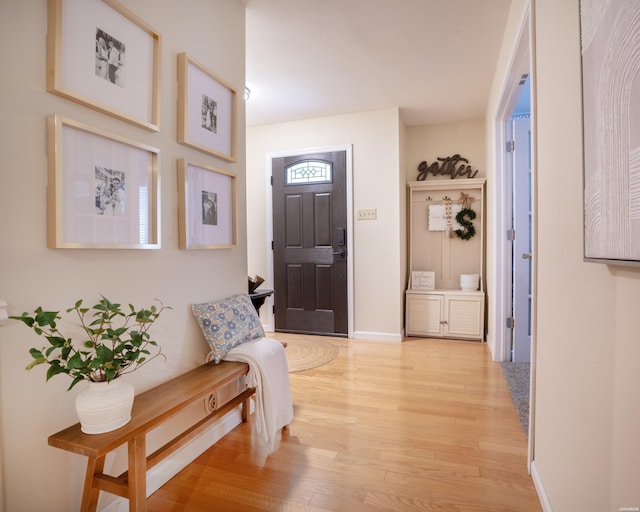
pixel 445 314
pixel 445 311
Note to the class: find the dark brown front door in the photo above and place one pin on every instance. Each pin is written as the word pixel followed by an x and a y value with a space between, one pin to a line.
pixel 310 243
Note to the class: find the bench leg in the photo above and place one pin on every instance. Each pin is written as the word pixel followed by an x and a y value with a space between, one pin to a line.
pixel 137 475
pixel 90 493
pixel 246 408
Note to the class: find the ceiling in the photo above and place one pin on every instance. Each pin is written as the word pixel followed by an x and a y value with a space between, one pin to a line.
pixel 432 59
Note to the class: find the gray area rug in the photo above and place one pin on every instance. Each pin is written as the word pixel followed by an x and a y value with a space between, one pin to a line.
pixel 517 376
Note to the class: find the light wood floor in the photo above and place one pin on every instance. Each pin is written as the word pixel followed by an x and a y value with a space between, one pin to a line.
pixel 420 425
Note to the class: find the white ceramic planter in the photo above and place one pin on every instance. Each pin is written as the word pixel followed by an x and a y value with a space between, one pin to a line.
pixel 104 406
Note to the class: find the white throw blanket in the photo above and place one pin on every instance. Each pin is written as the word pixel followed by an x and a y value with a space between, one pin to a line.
pixel 269 374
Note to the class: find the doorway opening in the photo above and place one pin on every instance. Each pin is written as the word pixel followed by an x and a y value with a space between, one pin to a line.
pixel 521 226
pixel 515 228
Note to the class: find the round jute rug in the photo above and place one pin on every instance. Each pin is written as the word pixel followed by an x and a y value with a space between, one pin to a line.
pixel 306 353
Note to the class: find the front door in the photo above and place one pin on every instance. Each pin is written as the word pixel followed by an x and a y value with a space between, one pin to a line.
pixel 310 243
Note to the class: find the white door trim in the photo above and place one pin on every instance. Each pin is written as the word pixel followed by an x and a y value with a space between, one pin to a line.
pixel 348 148
pixel 522 61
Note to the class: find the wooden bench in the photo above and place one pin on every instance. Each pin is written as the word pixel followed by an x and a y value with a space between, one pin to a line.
pixel 150 409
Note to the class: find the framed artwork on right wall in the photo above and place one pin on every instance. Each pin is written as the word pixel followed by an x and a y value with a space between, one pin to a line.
pixel 610 49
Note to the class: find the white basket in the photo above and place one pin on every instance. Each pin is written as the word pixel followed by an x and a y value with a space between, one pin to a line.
pixel 469 282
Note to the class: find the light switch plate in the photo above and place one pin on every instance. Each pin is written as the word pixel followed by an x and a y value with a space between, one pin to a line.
pixel 367 214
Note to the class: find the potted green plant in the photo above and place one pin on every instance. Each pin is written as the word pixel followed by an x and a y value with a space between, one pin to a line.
pixel 116 341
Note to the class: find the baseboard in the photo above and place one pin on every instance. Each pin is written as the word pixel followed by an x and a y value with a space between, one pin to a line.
pixel 171 466
pixel 539 485
pixel 357 335
pixel 376 336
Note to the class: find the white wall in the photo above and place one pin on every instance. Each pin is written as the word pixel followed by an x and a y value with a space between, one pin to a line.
pixel 35 476
pixel 587 396
pixel 378 251
pixel 587 393
pixel 428 142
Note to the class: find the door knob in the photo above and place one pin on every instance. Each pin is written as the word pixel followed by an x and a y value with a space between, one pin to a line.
pixel 527 256
pixel 341 253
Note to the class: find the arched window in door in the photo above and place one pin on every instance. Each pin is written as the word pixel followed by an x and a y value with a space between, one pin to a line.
pixel 309 171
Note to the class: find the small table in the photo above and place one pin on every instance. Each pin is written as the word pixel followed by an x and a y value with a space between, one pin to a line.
pixel 258 297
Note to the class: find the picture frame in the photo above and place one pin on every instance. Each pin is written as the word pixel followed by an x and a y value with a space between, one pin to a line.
pixel 103 190
pixel 104 57
pixel 207 110
pixel 423 280
pixel 611 158
pixel 207 216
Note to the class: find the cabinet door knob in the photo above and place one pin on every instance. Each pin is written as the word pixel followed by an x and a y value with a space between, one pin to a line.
pixel 443 322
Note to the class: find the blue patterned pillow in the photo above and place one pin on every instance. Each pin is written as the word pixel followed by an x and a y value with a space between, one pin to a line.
pixel 228 323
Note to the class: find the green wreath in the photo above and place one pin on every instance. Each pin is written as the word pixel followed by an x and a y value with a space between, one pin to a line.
pixel 464 218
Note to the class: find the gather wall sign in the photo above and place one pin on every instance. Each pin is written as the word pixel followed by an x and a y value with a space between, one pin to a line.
pixel 447 167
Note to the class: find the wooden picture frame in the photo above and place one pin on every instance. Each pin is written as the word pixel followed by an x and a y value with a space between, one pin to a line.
pixel 207 207
pixel 103 190
pixel 102 56
pixel 207 110
pixel 610 95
